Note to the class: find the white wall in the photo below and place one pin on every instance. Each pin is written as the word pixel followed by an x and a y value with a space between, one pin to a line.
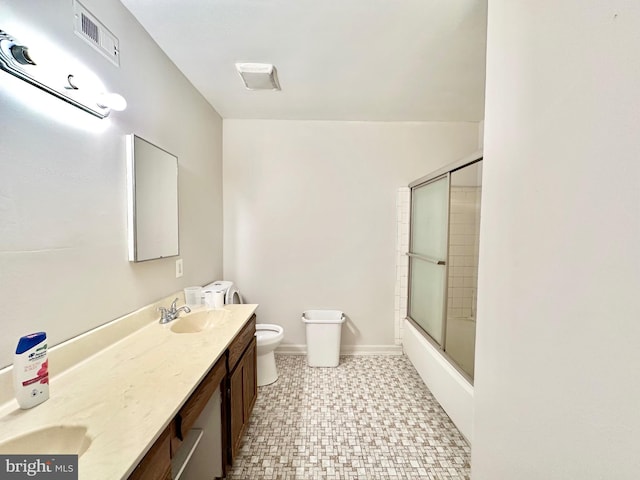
pixel 310 216
pixel 557 386
pixel 63 239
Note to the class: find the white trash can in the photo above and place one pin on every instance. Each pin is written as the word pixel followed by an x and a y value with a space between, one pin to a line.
pixel 323 337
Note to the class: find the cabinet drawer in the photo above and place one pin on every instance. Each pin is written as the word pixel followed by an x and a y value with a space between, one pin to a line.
pixel 156 464
pixel 241 342
pixel 193 407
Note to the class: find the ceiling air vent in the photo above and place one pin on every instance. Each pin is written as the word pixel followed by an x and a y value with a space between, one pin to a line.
pixel 92 31
pixel 258 76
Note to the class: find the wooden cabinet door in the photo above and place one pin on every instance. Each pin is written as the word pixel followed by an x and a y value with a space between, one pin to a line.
pixel 243 386
pixel 236 407
pixel 243 389
pixel 250 380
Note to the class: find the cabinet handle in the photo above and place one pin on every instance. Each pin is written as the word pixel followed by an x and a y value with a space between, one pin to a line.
pixel 179 428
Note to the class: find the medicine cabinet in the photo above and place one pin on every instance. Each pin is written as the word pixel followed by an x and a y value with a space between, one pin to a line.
pixel 152 175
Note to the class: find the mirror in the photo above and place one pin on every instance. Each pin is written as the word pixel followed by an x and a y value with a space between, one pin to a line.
pixel 153 201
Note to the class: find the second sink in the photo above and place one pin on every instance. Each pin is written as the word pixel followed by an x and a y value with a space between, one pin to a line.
pixel 58 439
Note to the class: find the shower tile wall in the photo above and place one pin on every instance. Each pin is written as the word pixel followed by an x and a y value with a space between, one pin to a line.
pixel 403 199
pixel 464 225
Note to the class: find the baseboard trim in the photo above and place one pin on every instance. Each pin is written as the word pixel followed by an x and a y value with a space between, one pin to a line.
pixel 345 350
pixel 291 350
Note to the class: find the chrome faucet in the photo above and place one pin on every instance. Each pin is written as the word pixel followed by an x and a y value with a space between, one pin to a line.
pixel 169 314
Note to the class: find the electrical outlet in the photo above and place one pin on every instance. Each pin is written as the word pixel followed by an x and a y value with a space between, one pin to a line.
pixel 179 270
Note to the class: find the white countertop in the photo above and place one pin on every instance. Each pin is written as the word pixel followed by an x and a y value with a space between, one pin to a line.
pixel 127 393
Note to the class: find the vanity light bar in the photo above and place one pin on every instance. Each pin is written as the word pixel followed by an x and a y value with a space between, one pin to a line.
pixel 16 60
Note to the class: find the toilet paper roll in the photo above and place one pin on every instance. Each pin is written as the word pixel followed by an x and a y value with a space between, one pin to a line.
pixel 208 299
pixel 218 300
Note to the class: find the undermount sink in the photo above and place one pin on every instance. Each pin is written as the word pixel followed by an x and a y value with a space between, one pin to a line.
pixel 197 321
pixel 54 440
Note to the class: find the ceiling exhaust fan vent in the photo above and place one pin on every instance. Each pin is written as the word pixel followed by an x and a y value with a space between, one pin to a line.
pixel 92 31
pixel 258 76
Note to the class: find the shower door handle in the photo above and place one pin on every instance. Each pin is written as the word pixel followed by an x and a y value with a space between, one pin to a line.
pixel 427 259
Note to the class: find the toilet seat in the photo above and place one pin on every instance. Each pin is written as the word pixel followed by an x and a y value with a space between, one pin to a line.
pixel 268 333
pixel 264 334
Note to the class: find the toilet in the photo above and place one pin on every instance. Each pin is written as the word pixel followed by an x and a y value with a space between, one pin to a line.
pixel 268 337
pixel 231 295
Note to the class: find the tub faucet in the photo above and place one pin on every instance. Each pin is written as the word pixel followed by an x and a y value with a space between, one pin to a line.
pixel 169 314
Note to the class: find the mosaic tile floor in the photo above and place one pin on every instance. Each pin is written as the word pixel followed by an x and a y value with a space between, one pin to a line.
pixel 372 417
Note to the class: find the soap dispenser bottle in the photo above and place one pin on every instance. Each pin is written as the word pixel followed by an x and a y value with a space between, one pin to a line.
pixel 31 370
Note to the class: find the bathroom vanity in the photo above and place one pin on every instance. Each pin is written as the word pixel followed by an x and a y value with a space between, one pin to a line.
pixel 129 408
pixel 234 374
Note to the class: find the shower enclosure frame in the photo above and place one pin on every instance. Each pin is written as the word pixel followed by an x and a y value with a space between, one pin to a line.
pixel 444 172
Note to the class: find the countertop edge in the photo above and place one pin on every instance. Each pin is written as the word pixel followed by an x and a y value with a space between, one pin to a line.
pixel 124 392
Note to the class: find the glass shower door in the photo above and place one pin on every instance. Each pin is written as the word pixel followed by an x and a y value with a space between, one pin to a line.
pixel 462 281
pixel 428 254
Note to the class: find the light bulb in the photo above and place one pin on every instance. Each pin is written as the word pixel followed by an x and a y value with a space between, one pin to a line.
pixel 113 101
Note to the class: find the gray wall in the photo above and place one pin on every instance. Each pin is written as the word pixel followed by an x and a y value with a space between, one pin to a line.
pixel 557 384
pixel 63 238
pixel 310 215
